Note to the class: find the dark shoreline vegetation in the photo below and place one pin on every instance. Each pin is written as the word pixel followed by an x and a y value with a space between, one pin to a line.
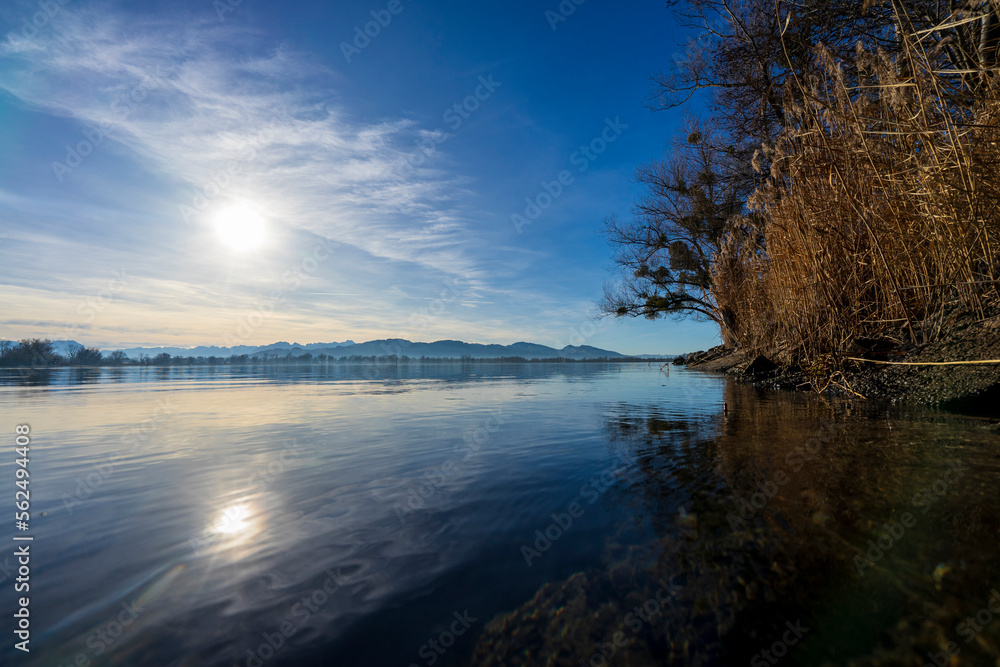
pixel 840 202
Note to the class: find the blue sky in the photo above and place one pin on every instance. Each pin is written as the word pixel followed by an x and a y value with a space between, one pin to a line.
pixel 133 128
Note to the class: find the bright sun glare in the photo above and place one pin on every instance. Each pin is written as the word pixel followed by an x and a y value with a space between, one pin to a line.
pixel 240 227
pixel 233 520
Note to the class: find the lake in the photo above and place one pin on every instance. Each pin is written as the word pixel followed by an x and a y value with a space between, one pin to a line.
pixel 481 514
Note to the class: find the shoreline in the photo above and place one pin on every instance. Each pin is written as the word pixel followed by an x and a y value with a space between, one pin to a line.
pixel 344 361
pixel 968 388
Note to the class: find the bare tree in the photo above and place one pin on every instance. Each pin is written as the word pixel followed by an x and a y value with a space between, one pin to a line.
pixel 665 252
pixel 86 356
pixel 30 352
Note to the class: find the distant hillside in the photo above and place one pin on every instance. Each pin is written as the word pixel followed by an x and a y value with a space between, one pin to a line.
pixel 66 348
pixel 442 349
pixel 454 349
pixel 213 351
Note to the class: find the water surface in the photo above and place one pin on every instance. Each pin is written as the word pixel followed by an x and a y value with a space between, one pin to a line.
pixel 528 514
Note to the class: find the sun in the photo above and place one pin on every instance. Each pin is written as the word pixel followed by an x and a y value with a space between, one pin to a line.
pixel 240 227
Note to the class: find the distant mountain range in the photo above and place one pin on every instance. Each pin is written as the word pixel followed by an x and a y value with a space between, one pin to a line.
pixel 442 349
pixel 393 346
pixel 214 351
pixel 453 349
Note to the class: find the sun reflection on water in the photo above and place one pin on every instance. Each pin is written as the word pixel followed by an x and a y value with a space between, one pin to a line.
pixel 234 519
pixel 235 525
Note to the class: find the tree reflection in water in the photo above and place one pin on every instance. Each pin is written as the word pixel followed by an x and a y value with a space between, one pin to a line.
pixel 768 514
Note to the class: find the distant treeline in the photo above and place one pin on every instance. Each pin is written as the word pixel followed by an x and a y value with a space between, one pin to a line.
pixel 36 353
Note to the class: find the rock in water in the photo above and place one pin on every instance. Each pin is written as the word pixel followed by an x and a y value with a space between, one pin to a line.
pixel 760 367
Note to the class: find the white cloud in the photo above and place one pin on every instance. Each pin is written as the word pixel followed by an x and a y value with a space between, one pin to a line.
pixel 189 102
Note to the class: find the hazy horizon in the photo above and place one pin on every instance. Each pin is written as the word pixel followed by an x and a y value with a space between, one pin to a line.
pixel 320 344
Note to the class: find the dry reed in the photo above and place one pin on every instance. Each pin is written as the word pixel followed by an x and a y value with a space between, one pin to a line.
pixel 880 216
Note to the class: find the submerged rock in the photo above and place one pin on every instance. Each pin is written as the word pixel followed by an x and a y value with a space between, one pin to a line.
pixel 760 367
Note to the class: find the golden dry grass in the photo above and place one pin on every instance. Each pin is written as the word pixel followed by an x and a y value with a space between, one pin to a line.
pixel 880 216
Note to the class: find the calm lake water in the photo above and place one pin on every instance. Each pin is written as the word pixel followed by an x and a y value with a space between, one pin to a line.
pixel 494 515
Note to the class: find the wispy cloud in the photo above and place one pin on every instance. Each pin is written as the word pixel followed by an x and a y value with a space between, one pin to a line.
pixel 190 101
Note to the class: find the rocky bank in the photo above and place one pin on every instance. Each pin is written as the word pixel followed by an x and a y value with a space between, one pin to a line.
pixel 972 389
